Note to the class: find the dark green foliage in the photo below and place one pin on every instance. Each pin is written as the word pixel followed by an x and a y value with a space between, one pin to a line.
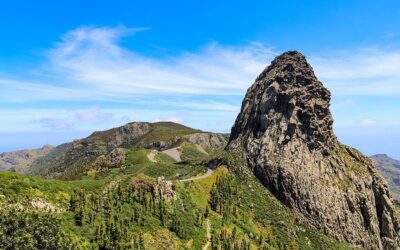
pixel 114 217
pixel 176 226
pixel 225 240
pixel 225 196
pixel 29 230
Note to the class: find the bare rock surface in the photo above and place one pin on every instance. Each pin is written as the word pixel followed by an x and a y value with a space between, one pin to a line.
pixel 207 140
pixel 284 131
pixel 164 189
pixel 174 154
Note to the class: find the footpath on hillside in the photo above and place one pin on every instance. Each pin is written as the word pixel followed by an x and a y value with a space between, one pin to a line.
pixel 209 173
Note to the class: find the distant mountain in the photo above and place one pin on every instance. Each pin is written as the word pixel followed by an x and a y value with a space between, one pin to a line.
pixel 390 169
pixel 21 160
pixel 107 149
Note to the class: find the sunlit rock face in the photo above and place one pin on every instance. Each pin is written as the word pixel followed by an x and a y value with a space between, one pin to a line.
pixel 284 131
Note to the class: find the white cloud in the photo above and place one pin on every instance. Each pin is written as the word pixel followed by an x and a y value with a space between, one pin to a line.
pixel 92 57
pixel 371 71
pixel 368 121
pixel 54 124
pixel 89 63
pixel 169 119
pixel 207 105
pixel 94 114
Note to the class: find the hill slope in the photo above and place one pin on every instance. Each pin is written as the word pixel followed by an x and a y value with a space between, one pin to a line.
pixel 21 160
pixel 108 149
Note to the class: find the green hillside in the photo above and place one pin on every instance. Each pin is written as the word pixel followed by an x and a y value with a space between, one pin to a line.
pixel 128 207
pixel 73 160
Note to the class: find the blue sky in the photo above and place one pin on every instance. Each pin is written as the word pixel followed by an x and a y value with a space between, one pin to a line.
pixel 68 68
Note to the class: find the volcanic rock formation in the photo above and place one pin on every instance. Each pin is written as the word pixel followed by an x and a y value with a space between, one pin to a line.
pixel 284 131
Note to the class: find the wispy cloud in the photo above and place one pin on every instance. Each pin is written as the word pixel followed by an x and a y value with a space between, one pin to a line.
pixel 368 121
pixel 170 119
pixel 54 124
pixel 23 120
pixel 92 57
pixel 89 64
pixel 367 71
pixel 94 114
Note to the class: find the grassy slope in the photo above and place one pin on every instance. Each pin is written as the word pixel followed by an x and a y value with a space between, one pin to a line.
pixel 137 162
pixel 167 131
pixel 163 157
pixel 190 152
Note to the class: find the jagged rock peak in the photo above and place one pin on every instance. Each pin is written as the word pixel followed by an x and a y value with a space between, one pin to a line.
pixel 287 62
pixel 284 132
pixel 287 96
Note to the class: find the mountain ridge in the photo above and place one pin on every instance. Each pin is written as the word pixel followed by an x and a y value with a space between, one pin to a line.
pixel 108 148
pixel 21 160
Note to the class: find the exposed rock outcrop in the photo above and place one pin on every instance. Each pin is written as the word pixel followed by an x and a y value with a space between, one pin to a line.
pixel 115 158
pixel 208 140
pixel 284 131
pixel 164 189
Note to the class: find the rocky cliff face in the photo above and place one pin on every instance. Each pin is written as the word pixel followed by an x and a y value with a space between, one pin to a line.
pixel 284 131
pixel 207 140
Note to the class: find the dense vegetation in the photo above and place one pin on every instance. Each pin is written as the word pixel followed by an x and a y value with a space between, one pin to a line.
pixel 129 207
pixel 31 230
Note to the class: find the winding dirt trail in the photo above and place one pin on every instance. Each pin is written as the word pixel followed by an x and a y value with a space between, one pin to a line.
pixel 209 173
pixel 205 247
